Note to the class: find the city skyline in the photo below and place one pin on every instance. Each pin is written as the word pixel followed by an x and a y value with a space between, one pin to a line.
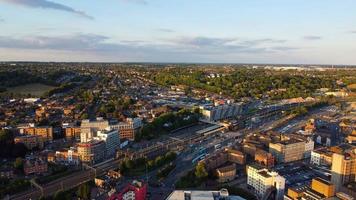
pixel 276 31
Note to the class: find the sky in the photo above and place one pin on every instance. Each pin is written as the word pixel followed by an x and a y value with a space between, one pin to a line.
pixel 202 31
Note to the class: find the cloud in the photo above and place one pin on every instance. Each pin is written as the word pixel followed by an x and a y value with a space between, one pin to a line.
pixel 352 32
pixel 312 37
pixel 144 2
pixel 2 19
pixel 46 4
pixel 178 49
pixel 166 30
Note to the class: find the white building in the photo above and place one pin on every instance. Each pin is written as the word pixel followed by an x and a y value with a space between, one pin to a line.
pixel 321 156
pixel 222 194
pixel 309 147
pixel 220 112
pixel 263 181
pixel 111 139
pixel 88 128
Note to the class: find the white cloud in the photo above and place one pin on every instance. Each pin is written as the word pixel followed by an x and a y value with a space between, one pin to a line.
pixel 46 4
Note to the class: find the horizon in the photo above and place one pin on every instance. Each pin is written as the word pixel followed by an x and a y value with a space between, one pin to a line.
pixel 179 32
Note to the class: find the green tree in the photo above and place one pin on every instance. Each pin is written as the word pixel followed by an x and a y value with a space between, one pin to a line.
pixel 200 171
pixel 61 195
pixel 84 191
pixel 18 164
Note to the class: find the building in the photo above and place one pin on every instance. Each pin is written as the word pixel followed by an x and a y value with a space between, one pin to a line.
pixel 264 181
pixel 67 156
pixel 7 173
pixel 220 112
pixel 295 193
pixel 235 156
pixel 111 139
pixel 308 148
pixel 72 132
pixel 91 152
pixel 221 157
pixel 322 156
pixel 129 129
pixel 287 150
pixel 352 137
pixel 323 187
pixel 136 190
pixel 88 128
pixel 264 158
pixel 222 194
pixel 343 168
pixel 46 132
pixel 35 166
pixel 30 141
pixel 226 174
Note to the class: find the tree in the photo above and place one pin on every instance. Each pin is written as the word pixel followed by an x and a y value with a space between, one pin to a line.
pixel 200 171
pixel 61 195
pixel 18 164
pixel 84 191
pixel 6 142
pixel 19 150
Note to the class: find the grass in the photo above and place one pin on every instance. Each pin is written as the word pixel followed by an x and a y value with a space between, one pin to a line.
pixel 34 89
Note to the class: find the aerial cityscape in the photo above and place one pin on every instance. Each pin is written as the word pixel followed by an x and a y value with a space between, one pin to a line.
pixel 177 100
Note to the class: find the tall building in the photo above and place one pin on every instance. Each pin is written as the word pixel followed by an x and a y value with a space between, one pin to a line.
pixel 111 139
pixel 264 181
pixel 288 150
pixel 129 129
pixel 88 128
pixel 91 152
pixel 220 112
pixel 343 168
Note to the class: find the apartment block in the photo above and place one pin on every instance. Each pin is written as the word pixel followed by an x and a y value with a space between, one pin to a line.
pixel 35 166
pixel 88 128
pixel 30 141
pixel 288 150
pixel 322 156
pixel 343 168
pixel 220 112
pixel 46 132
pixel 72 132
pixel 111 140
pixel 263 181
pixel 91 152
pixel 129 129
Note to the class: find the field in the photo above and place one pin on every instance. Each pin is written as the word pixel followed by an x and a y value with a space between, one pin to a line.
pixel 35 89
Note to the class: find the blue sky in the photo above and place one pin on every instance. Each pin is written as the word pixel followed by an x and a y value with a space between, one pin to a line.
pixel 233 31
